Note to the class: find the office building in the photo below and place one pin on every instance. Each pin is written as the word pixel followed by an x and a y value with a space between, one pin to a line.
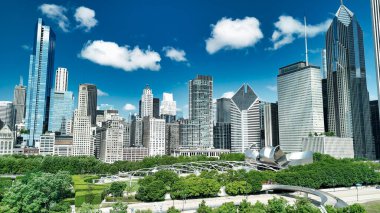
pixel 171 137
pixel 126 134
pixel 375 123
pixel 333 146
pixel 146 108
pixel 156 107
pixel 46 144
pixel 6 140
pixel 270 124
pixel 136 138
pixel 300 106
pixel 375 6
pixel 189 134
pixel 41 65
pixel 83 133
pixel 7 114
pixel 205 152
pixel 61 79
pixel 222 128
pixel 200 108
pixel 19 102
pixel 154 135
pixel 63 145
pixel 348 99
pixel 135 153
pixel 61 111
pixel 168 109
pixel 245 120
pixel 112 141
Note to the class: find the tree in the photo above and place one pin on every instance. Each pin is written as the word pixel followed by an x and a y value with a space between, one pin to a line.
pixel 152 191
pixel 238 188
pixel 226 208
pixel 119 207
pixel 277 205
pixel 203 208
pixel 88 208
pixel 117 188
pixel 173 210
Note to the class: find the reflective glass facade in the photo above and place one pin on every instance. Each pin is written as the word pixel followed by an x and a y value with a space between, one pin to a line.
pixel 61 110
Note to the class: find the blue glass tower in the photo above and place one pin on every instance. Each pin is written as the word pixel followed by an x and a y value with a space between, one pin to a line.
pixel 39 83
pixel 61 110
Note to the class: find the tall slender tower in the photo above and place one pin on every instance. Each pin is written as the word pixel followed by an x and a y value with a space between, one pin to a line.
pixel 39 83
pixel 348 99
pixel 61 79
pixel 147 102
pixel 376 36
pixel 19 100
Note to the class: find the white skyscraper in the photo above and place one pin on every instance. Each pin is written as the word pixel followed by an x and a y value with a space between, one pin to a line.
pixel 154 135
pixel 111 146
pixel 168 105
pixel 61 79
pixel 83 139
pixel 300 106
pixel 147 102
pixel 245 120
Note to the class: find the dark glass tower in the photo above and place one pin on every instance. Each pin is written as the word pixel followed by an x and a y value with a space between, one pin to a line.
pixel 348 99
pixel 375 125
pixel 41 66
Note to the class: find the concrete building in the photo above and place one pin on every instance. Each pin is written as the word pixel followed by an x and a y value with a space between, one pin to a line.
pixel 270 124
pixel 135 153
pixel 41 65
pixel 126 134
pixel 7 114
pixel 348 98
pixel 334 146
pixel 154 135
pixel 245 120
pixel 63 145
pixel 300 106
pixel 156 107
pixel 206 152
pixel 136 136
pixel 61 79
pixel 6 140
pixel 189 134
pixel 168 109
pixel 19 102
pixel 146 108
pixel 111 146
pixel 171 137
pixel 46 144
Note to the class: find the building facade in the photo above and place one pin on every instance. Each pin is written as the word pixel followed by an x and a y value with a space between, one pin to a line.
pixel 63 145
pixel 41 65
pixel 270 124
pixel 171 137
pixel 168 109
pixel 375 6
pixel 61 111
pixel 375 123
pixel 19 102
pixel 146 102
pixel 46 144
pixel 6 140
pixel 7 114
pixel 136 136
pixel 61 79
pixel 135 153
pixel 154 135
pixel 333 146
pixel 111 146
pixel 348 98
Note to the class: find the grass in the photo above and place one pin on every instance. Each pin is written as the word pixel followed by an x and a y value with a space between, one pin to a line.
pixel 86 191
pixel 372 207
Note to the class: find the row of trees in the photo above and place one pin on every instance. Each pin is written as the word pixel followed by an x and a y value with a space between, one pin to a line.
pixel 21 164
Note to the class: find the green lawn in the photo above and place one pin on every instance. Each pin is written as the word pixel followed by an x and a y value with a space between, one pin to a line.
pixel 86 191
pixel 372 207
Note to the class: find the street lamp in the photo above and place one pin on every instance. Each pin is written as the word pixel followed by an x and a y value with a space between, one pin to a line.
pixel 357 191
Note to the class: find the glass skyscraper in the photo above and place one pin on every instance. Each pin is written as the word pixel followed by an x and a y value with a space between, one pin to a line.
pixel 41 66
pixel 61 111
pixel 348 99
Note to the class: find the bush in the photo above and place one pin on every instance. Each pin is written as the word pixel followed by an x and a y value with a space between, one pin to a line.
pixel 173 210
pixel 238 188
pixel 195 187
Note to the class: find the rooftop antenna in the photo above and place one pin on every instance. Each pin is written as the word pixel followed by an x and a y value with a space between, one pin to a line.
pixel 306 52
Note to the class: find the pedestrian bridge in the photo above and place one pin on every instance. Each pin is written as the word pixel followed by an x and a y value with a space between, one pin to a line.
pixel 326 198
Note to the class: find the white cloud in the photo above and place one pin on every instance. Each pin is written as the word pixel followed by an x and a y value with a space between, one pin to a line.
pixel 288 29
pixel 86 18
pixel 234 34
pixel 102 93
pixel 272 88
pixel 111 54
pixel 129 107
pixel 57 14
pixel 26 47
pixel 229 94
pixel 175 54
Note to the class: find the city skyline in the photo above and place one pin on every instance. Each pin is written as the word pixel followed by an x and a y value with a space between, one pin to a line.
pixel 199 57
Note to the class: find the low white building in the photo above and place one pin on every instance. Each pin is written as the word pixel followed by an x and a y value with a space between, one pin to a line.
pixel 63 145
pixel 194 152
pixel 6 141
pixel 46 144
pixel 135 153
pixel 334 146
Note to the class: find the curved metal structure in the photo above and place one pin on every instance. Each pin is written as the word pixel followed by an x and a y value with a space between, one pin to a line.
pixel 198 167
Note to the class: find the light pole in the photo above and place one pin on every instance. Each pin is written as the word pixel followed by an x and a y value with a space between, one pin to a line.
pixel 357 191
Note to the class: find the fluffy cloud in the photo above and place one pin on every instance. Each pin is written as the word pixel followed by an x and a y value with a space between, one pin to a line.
pixel 86 18
pixel 129 107
pixel 229 94
pixel 101 93
pixel 111 54
pixel 289 28
pixel 57 14
pixel 175 54
pixel 272 88
pixel 234 34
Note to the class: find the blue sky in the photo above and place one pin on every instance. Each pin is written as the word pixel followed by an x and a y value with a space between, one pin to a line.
pixel 121 45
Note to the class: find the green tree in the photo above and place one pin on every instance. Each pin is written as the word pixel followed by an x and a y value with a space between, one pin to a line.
pixel 119 207
pixel 88 208
pixel 117 188
pixel 238 188
pixel 173 210
pixel 226 208
pixel 152 191
pixel 277 205
pixel 203 208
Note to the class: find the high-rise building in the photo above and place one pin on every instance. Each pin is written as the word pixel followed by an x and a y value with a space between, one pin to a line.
pixel 325 100
pixel 41 65
pixel 168 109
pixel 136 138
pixel 375 6
pixel 270 124
pixel 375 123
pixel 222 128
pixel 156 107
pixel 245 120
pixel 61 79
pixel 171 137
pixel 126 134
pixel 154 135
pixel 200 108
pixel 61 111
pixel 6 140
pixel 300 107
pixel 111 146
pixel 146 102
pixel 7 114
pixel 19 102
pixel 189 134
pixel 83 134
pixel 348 99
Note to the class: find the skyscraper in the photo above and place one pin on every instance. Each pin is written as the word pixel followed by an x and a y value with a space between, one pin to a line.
pixel 7 114
pixel 375 123
pixel 200 108
pixel 245 120
pixel 300 107
pixel 41 66
pixel 154 135
pixel 156 107
pixel 111 146
pixel 61 79
pixel 19 101
pixel 168 108
pixel 146 102
pixel 61 111
pixel 270 124
pixel 89 100
pixel 222 128
pixel 348 99
pixel 375 5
